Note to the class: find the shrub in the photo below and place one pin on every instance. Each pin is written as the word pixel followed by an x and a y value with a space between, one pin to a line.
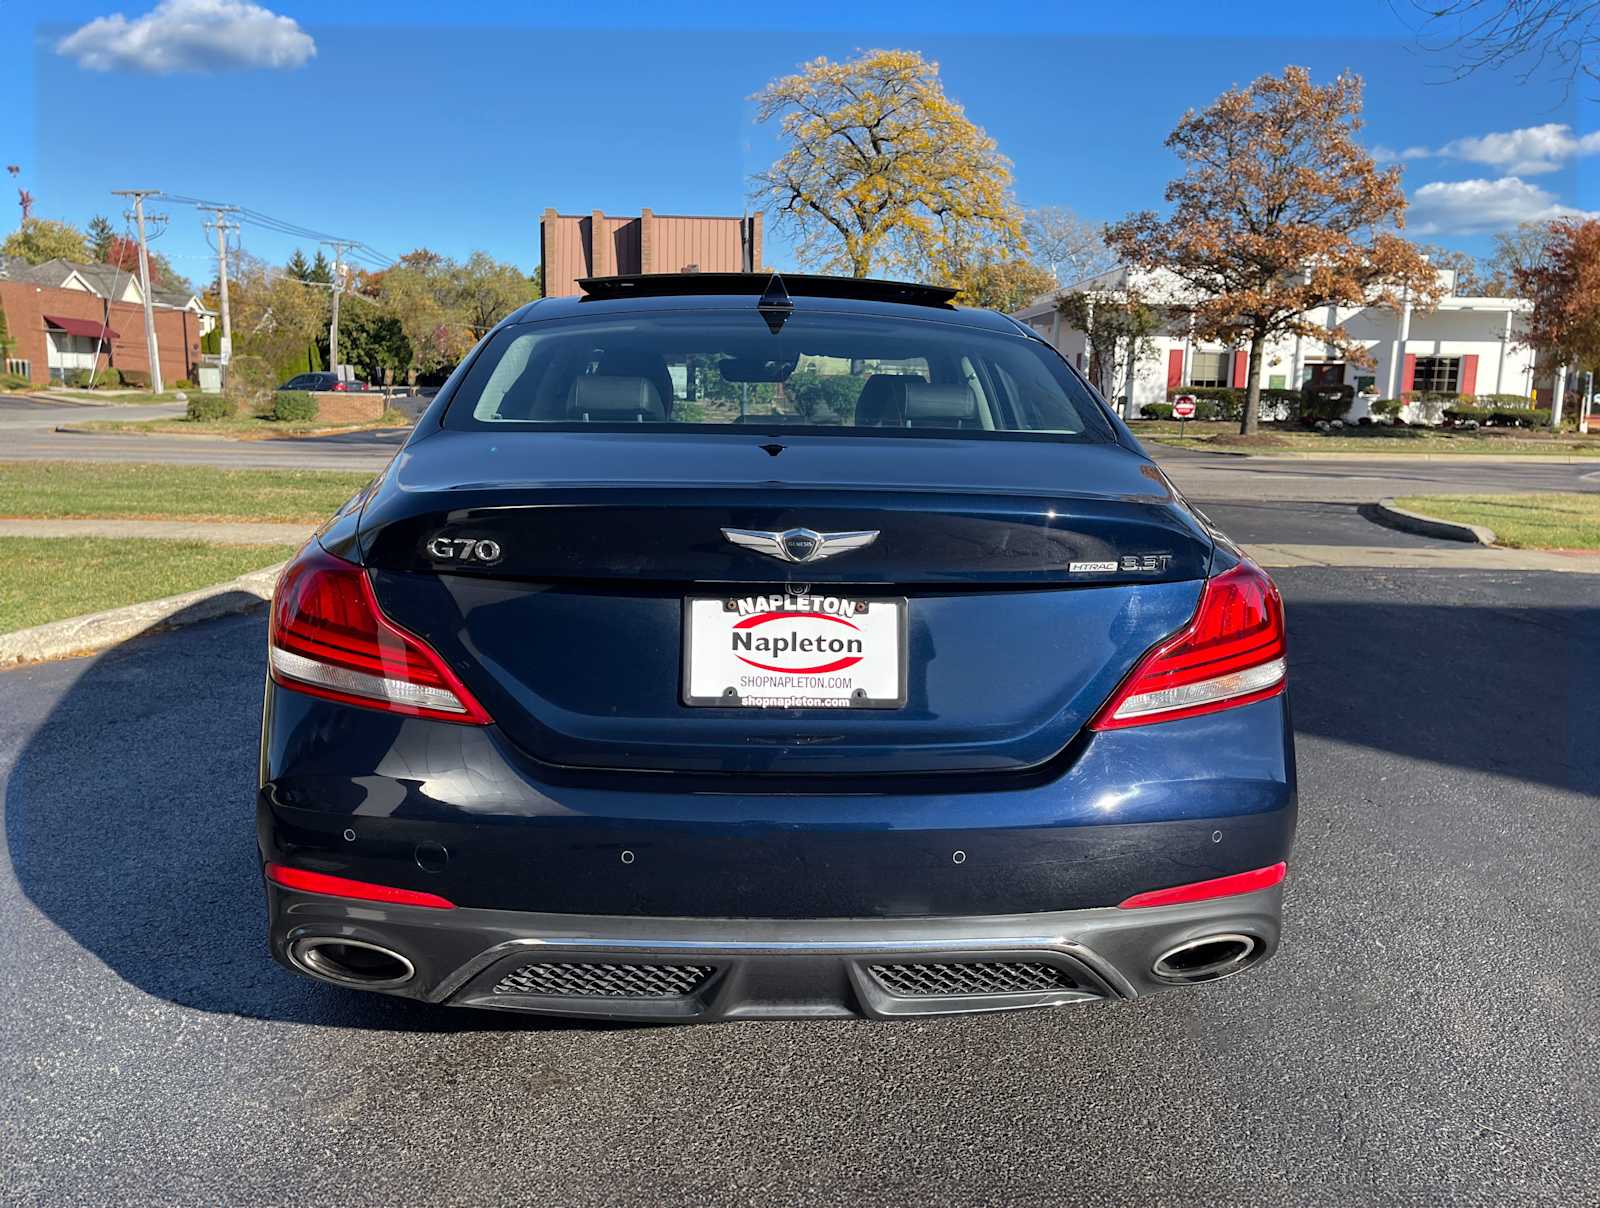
pixel 183 384
pixel 1499 417
pixel 1204 408
pixel 294 405
pixel 207 407
pixel 1387 407
pixel 108 378
pixel 1312 411
pixel 135 377
pixel 76 377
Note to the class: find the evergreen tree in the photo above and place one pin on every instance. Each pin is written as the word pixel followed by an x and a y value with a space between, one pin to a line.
pixel 298 267
pixel 320 269
pixel 102 238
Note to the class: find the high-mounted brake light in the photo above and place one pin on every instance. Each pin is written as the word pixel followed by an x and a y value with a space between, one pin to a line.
pixel 1217 887
pixel 329 638
pixel 343 887
pixel 1231 653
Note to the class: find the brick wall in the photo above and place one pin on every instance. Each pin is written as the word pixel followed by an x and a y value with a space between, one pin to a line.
pixel 26 304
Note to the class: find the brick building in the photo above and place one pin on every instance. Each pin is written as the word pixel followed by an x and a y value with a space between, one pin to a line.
pixel 62 317
pixel 597 245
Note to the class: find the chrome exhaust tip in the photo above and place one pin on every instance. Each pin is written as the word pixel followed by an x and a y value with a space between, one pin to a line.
pixel 1208 958
pixel 348 962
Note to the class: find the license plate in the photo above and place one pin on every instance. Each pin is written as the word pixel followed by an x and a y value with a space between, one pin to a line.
pixel 794 652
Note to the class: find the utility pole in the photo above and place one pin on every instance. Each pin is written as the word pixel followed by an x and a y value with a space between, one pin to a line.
pixel 154 352
pixel 338 246
pixel 222 226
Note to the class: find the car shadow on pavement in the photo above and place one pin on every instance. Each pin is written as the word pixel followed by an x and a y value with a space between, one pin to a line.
pixel 130 825
pixel 129 814
pixel 1497 673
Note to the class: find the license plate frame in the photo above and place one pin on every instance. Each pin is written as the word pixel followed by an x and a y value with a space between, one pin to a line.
pixel 826 695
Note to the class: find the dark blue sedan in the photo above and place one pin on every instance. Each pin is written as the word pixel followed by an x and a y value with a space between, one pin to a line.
pixel 725 646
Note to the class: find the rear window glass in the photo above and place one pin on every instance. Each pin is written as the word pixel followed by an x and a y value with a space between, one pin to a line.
pixel 839 372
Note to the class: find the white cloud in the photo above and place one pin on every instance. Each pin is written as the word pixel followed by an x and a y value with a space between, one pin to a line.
pixel 1524 152
pixel 190 35
pixel 1469 207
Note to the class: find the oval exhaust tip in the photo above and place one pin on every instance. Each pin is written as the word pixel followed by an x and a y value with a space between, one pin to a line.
pixel 1208 958
pixel 351 962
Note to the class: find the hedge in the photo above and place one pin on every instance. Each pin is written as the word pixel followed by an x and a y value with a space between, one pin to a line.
pixel 1500 417
pixel 1204 408
pixel 293 405
pixel 207 407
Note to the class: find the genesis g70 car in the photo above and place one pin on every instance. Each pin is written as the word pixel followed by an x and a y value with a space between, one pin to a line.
pixel 722 646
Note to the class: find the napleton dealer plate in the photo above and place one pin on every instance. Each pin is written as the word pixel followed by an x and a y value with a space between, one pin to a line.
pixel 794 652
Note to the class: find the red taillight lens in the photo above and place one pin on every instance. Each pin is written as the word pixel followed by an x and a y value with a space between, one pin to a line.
pixel 1217 887
pixel 340 386
pixel 329 638
pixel 344 887
pixel 1230 654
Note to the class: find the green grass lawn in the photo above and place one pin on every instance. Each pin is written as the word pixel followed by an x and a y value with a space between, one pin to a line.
pixel 62 489
pixel 1402 442
pixel 49 578
pixel 248 427
pixel 1549 521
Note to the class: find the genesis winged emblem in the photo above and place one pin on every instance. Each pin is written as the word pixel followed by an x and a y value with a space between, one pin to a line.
pixel 799 544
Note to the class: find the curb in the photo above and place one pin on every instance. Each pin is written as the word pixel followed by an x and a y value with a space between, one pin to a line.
pixel 1466 459
pixel 1387 512
pixel 99 630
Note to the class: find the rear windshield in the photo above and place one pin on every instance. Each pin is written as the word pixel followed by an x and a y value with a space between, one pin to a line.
pixel 837 372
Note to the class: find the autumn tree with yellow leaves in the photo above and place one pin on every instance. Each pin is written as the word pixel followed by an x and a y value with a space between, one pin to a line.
pixel 1279 212
pixel 885 174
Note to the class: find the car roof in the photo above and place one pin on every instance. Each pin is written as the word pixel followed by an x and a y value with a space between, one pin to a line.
pixel 665 292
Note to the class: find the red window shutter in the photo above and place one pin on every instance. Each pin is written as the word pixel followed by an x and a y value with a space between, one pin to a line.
pixel 1174 369
pixel 1408 373
pixel 1241 367
pixel 1469 375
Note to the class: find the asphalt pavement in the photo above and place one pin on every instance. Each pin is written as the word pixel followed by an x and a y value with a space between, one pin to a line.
pixel 1430 1033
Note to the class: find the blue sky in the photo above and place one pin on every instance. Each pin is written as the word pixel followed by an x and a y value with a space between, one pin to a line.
pixel 454 126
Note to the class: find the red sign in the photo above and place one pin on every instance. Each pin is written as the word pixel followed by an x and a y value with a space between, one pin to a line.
pixel 1183 406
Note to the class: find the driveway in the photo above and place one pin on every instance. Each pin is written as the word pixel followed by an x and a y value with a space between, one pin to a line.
pixel 1427 1035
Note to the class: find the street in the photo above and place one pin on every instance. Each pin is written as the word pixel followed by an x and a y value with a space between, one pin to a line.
pixel 1428 1033
pixel 28 431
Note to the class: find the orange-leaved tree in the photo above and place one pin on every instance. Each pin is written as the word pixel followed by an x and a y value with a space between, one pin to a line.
pixel 1279 211
pixel 883 172
pixel 1564 286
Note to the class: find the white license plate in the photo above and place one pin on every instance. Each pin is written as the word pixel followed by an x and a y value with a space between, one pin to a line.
pixel 794 652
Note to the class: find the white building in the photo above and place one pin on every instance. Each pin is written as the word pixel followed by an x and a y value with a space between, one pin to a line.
pixel 1462 346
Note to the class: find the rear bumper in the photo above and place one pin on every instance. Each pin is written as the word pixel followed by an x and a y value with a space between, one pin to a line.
pixel 703 970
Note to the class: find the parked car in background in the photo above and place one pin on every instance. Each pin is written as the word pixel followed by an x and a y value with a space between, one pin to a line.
pixel 321 381
pixel 711 653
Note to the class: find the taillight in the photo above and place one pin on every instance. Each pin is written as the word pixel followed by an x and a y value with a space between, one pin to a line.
pixel 1217 887
pixel 340 386
pixel 1230 653
pixel 343 887
pixel 329 638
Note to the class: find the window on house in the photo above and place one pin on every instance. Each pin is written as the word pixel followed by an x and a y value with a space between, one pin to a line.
pixel 1208 369
pixel 1436 375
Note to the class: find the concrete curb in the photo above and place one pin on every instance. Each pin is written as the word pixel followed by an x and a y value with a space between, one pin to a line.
pixel 1389 513
pixel 1465 459
pixel 99 630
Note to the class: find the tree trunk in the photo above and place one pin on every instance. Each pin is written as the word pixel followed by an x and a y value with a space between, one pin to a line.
pixel 1252 394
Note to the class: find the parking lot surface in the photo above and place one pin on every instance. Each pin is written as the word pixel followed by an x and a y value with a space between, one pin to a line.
pixel 1430 1032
